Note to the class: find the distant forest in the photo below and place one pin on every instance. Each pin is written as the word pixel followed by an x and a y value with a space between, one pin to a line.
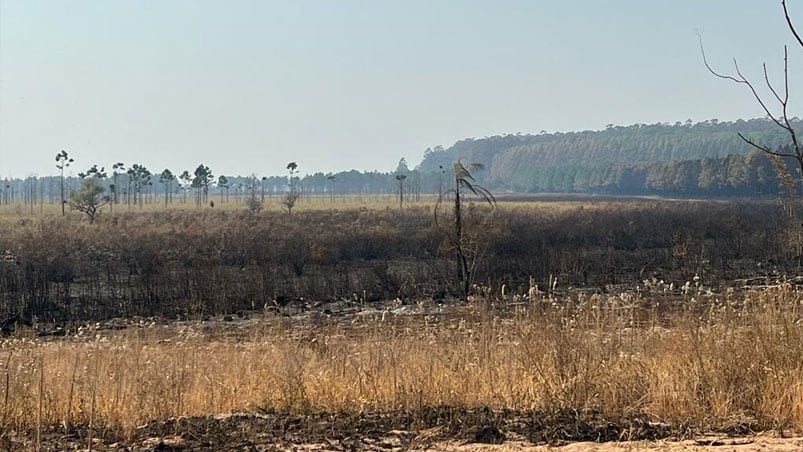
pixel 705 159
pixel 683 159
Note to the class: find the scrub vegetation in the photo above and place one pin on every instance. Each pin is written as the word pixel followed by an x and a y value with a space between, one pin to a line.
pixel 597 320
pixel 195 263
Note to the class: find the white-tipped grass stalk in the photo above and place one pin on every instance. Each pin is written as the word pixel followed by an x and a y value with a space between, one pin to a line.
pixel 41 397
pixel 68 416
pixel 95 381
pixel 7 388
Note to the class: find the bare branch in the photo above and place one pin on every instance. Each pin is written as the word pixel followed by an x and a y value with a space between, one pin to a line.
pixel 785 81
pixel 772 88
pixel 782 121
pixel 740 79
pixel 792 132
pixel 764 148
pixel 789 22
pixel 711 70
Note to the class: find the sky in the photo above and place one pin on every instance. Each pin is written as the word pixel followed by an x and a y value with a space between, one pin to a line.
pixel 248 86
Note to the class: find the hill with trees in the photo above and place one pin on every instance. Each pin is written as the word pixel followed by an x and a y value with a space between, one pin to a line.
pixel 702 159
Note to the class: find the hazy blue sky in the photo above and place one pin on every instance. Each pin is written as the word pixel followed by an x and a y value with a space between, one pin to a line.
pixel 246 86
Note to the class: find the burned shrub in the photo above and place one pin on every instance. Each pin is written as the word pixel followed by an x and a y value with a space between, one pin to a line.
pixel 165 263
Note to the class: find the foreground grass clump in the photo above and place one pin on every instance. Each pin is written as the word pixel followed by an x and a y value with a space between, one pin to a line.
pixel 709 364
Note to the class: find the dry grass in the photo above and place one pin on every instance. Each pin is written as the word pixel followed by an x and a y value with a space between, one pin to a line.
pixel 313 202
pixel 709 364
pixel 308 202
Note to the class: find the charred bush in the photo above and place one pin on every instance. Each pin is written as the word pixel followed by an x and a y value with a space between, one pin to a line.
pixel 202 262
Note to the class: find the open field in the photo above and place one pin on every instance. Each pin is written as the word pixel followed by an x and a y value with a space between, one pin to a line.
pixel 583 368
pixel 202 262
pixel 271 204
pixel 604 320
pixel 313 202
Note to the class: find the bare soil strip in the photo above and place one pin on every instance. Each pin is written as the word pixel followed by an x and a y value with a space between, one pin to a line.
pixel 437 428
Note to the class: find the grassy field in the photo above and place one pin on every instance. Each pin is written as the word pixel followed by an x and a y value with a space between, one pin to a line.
pixel 709 363
pixel 561 202
pixel 271 204
pixel 351 312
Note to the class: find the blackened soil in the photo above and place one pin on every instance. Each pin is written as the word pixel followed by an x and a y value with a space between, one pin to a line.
pixel 395 430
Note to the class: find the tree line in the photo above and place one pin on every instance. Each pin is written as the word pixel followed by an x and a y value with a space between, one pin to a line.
pixel 136 185
pixel 734 175
pixel 682 159
pixel 703 159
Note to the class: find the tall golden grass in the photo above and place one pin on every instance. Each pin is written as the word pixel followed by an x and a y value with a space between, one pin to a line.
pixel 708 363
pixel 312 202
pixel 271 204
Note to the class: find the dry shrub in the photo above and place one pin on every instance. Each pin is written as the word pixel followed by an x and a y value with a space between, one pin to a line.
pixel 177 263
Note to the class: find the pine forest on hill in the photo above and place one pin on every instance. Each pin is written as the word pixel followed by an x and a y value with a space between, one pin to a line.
pixel 702 159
